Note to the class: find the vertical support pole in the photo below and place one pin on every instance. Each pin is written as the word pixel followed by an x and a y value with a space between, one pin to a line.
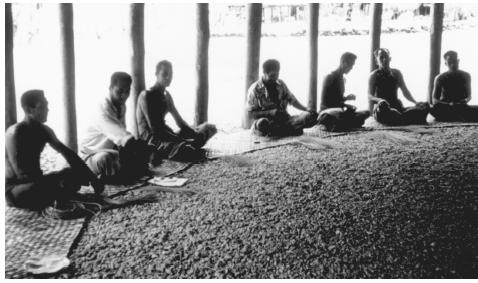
pixel 10 100
pixel 136 31
pixel 202 58
pixel 435 45
pixel 253 38
pixel 68 63
pixel 313 53
pixel 375 36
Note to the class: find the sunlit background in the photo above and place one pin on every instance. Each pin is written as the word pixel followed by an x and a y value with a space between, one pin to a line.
pixel 101 48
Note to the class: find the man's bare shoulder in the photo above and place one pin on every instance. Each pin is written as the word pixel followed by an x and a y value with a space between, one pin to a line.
pixel 23 130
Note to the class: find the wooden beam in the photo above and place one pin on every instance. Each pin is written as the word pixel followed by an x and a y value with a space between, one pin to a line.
pixel 253 39
pixel 68 60
pixel 136 32
pixel 202 68
pixel 10 99
pixel 435 45
pixel 313 53
pixel 375 32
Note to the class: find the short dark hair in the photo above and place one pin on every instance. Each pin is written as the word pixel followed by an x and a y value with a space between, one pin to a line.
pixel 161 64
pixel 269 65
pixel 31 98
pixel 450 53
pixel 347 57
pixel 375 53
pixel 118 77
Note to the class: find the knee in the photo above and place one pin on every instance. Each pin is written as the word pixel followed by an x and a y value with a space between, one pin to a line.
pixel 105 164
pixel 262 127
pixel 311 118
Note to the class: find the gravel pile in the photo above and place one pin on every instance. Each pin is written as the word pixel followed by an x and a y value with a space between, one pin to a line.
pixel 370 209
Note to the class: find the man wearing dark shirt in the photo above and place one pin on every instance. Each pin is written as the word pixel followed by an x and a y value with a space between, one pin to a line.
pixel 452 92
pixel 335 114
pixel 152 107
pixel 25 184
pixel 267 101
pixel 383 91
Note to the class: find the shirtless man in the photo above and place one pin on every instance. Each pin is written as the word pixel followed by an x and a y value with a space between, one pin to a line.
pixel 335 114
pixel 152 107
pixel 452 92
pixel 384 83
pixel 25 184
pixel 267 101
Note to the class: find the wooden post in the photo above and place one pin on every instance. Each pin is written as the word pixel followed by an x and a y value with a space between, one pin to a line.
pixel 10 100
pixel 253 38
pixel 202 72
pixel 435 45
pixel 313 53
pixel 375 36
pixel 136 30
pixel 68 56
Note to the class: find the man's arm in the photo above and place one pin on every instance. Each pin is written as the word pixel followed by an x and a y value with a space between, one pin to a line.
pixel 293 100
pixel 371 89
pixel 112 127
pixel 436 93
pixel 74 160
pixel 174 112
pixel 468 87
pixel 403 87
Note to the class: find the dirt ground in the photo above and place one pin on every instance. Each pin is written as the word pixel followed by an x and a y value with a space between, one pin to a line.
pixel 371 208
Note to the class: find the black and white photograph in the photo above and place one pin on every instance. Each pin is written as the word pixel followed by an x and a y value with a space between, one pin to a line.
pixel 236 140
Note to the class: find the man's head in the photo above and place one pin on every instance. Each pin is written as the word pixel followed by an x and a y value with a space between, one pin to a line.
pixel 120 86
pixel 382 55
pixel 35 105
pixel 270 69
pixel 164 73
pixel 347 62
pixel 451 60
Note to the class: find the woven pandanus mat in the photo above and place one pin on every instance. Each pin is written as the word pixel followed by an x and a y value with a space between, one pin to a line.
pixel 28 234
pixel 224 144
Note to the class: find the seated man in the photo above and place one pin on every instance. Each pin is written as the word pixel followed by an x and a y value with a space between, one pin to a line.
pixel 25 184
pixel 111 152
pixel 335 114
pixel 383 86
pixel 267 103
pixel 452 92
pixel 152 107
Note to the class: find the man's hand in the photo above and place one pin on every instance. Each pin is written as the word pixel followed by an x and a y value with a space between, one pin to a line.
pixel 279 115
pixel 350 97
pixel 349 107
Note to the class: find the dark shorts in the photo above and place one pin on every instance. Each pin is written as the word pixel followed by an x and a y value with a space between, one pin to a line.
pixel 387 115
pixel 189 148
pixel 292 125
pixel 337 119
pixel 455 113
pixel 42 192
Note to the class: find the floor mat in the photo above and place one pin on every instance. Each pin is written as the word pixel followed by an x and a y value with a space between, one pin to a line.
pixel 28 234
pixel 224 144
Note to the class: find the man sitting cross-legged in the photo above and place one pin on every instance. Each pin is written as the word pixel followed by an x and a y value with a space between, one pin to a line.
pixel 267 103
pixel 112 152
pixel 152 107
pixel 335 114
pixel 452 92
pixel 383 86
pixel 25 184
